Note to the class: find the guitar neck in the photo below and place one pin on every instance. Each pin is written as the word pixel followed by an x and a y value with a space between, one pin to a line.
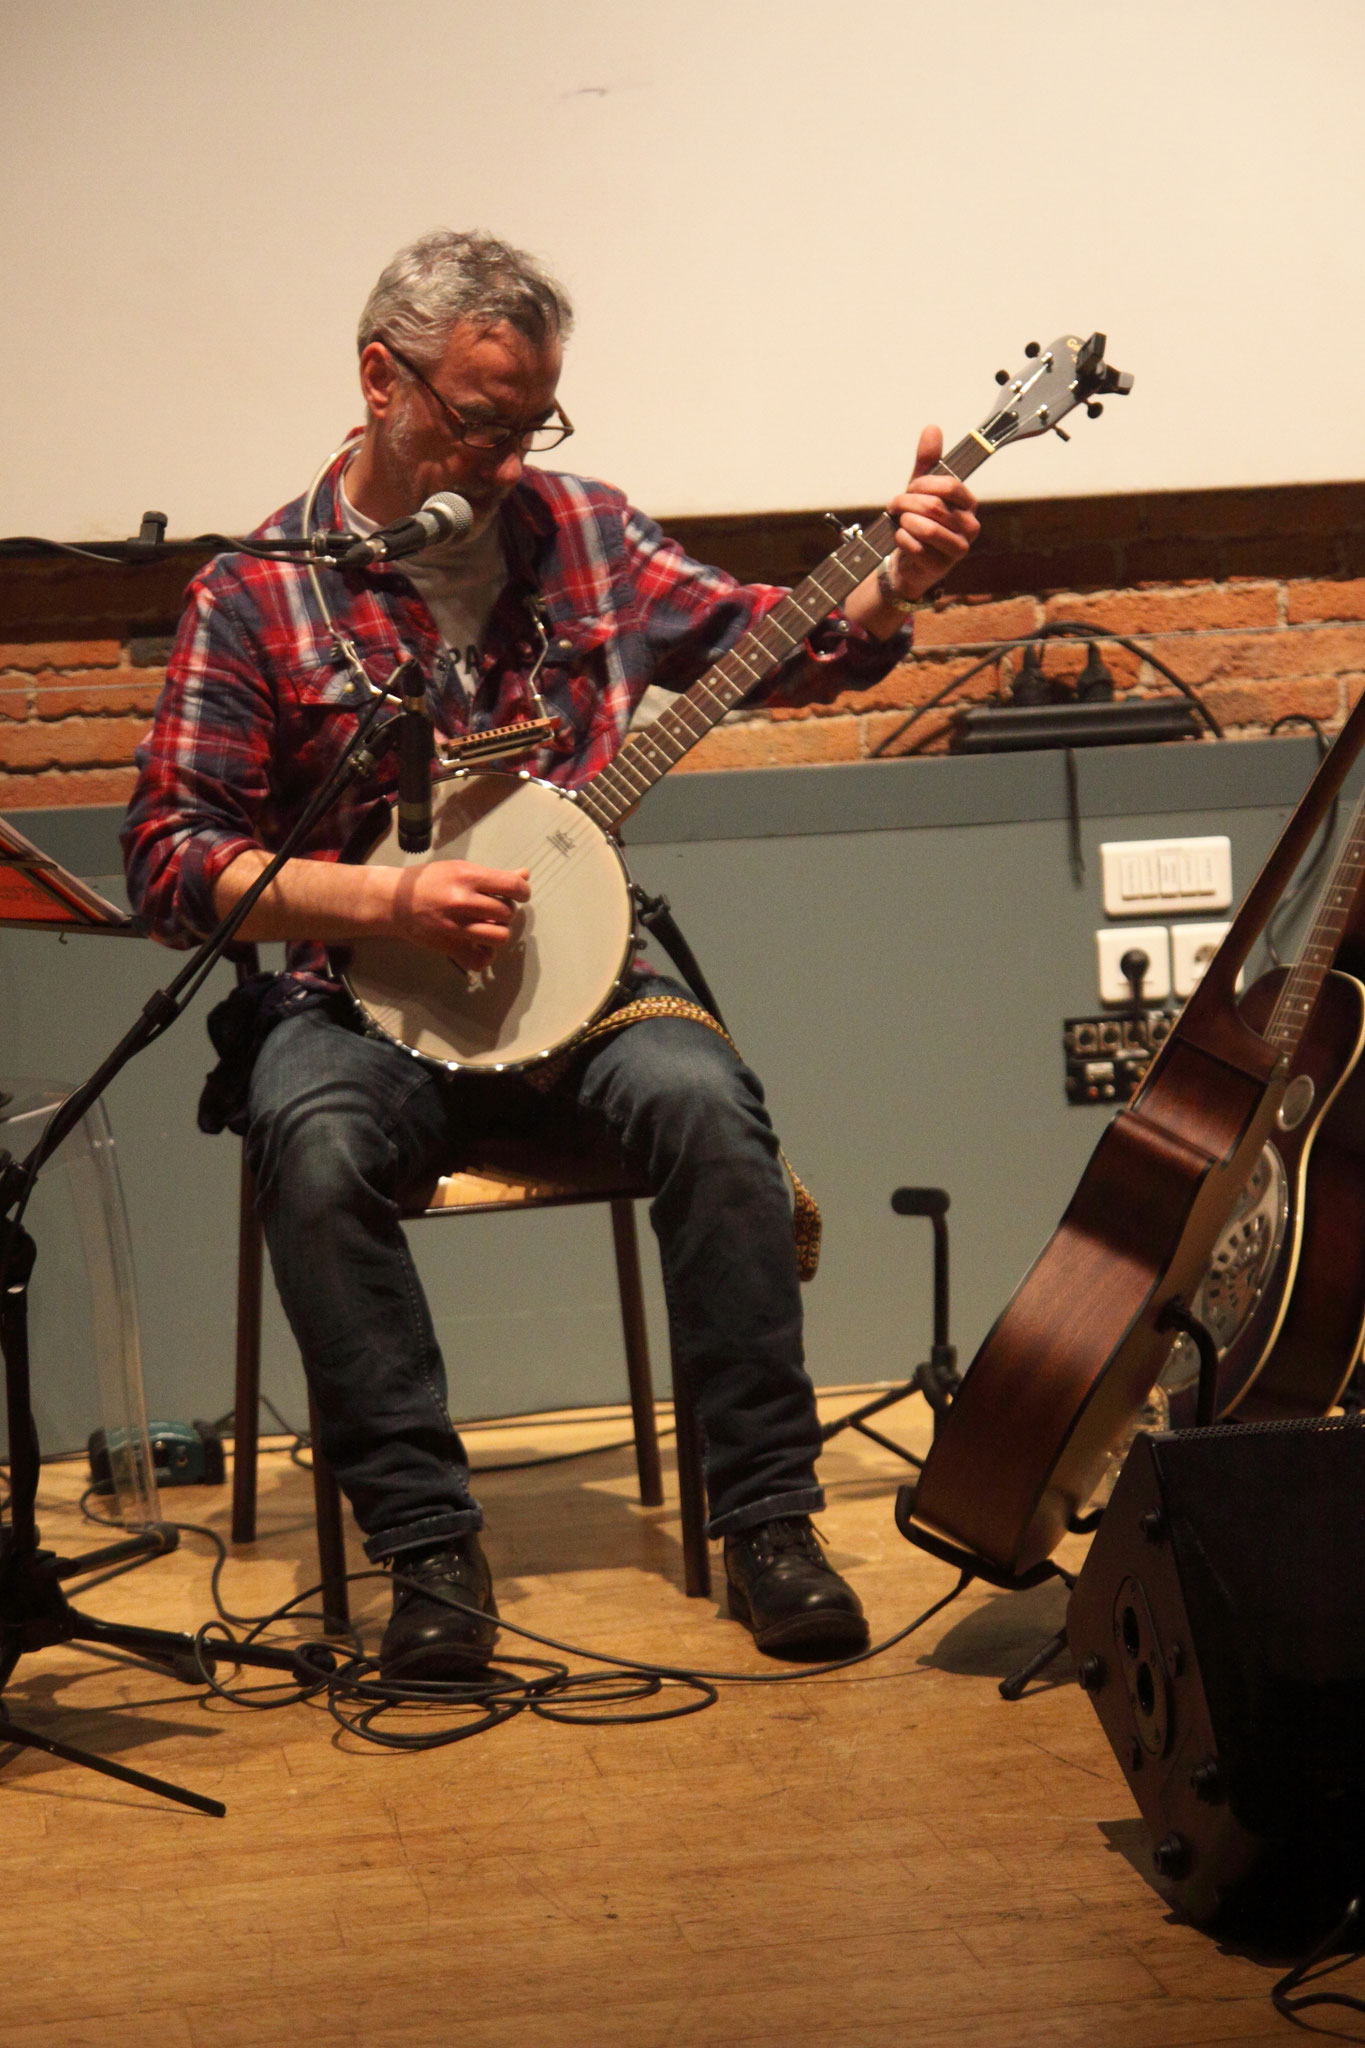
pixel 1304 981
pixel 649 754
pixel 1211 1018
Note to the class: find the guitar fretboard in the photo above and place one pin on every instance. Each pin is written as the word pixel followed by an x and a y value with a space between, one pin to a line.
pixel 649 754
pixel 1289 1019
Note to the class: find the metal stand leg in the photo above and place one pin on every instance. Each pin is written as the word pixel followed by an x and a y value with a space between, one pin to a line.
pixel 336 1609
pixel 937 1377
pixel 1011 1688
pixel 691 1490
pixel 246 1424
pixel 26 1738
pixel 627 1243
pixel 247 1398
pixel 327 1503
pixel 1177 1316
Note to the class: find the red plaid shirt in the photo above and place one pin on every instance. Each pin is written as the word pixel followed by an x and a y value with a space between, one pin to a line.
pixel 258 703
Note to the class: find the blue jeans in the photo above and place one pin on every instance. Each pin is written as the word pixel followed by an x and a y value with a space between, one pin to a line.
pixel 343 1127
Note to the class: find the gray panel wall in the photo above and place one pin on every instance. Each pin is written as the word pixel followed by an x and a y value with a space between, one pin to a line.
pixel 894 945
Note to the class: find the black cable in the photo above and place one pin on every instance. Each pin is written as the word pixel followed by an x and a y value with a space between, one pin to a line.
pixel 1279 1994
pixel 1001 647
pixel 131 553
pixel 221 1560
pixel 681 1671
pixel 358 1697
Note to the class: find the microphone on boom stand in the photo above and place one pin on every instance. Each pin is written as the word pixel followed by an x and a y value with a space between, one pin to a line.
pixel 444 516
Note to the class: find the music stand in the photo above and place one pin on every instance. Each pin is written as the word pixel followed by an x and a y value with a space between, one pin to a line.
pixel 38 894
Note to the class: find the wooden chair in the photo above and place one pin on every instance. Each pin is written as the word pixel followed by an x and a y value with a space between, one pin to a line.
pixel 506 1177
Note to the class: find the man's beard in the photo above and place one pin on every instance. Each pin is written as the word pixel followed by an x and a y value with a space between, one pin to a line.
pixel 403 438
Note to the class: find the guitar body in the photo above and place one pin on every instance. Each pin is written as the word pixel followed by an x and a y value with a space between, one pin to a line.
pixel 569 949
pixel 1284 1294
pixel 1076 1351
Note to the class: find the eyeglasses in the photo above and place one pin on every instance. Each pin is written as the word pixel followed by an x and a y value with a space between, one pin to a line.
pixel 490 436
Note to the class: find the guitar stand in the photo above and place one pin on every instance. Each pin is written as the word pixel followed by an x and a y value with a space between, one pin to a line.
pixel 1175 1316
pixel 976 1567
pixel 937 1377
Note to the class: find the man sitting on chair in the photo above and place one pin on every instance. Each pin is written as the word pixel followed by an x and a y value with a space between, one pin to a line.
pixel 460 354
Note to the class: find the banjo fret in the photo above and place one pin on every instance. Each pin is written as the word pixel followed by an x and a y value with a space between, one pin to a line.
pixel 648 754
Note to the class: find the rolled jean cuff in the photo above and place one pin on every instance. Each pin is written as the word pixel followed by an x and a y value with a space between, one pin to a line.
pixel 808 1501
pixel 422 1535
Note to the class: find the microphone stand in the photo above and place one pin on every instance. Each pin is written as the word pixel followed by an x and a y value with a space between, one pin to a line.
pixel 937 1377
pixel 34 1612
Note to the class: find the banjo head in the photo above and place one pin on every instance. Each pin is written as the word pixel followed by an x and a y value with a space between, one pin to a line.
pixel 570 945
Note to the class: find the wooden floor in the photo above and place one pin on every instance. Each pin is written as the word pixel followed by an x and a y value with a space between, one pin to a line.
pixel 864 1861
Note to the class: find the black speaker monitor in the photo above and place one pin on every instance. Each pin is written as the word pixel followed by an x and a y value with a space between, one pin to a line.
pixel 1219 1629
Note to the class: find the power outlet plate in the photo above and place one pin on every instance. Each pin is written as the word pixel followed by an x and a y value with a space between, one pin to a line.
pixel 1111 945
pixel 1192 948
pixel 1166 876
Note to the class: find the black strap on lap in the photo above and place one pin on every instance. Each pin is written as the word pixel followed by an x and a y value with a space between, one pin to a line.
pixel 656 915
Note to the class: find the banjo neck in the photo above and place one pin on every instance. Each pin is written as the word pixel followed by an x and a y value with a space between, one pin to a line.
pixel 576 938
pixel 649 754
pixel 1053 381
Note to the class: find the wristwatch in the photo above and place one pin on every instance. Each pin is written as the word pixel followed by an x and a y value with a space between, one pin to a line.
pixel 888 593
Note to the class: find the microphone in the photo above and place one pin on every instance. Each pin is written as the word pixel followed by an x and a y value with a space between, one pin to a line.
pixel 445 516
pixel 416 750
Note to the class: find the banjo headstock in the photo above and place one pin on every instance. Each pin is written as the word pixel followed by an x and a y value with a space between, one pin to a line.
pixel 1052 383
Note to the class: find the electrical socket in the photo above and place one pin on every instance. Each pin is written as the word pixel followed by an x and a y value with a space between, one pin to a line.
pixel 1152 939
pixel 1192 948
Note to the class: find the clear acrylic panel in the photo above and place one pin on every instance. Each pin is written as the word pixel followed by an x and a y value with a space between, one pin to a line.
pixel 84 1344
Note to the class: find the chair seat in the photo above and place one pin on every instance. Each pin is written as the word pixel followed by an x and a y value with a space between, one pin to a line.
pixel 517 1173
pixel 511 1176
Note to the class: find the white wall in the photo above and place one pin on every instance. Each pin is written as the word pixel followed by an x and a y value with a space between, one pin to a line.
pixel 793 230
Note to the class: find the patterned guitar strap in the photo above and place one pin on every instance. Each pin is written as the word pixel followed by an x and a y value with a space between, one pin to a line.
pixel 806 1221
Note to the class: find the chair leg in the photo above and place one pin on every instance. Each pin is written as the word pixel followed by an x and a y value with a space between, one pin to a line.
pixel 336 1607
pixel 247 1397
pixel 636 1337
pixel 691 1490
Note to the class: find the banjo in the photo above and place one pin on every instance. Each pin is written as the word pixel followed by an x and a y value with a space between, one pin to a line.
pixel 571 945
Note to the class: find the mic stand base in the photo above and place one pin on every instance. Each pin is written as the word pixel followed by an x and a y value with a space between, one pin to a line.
pixel 37 1616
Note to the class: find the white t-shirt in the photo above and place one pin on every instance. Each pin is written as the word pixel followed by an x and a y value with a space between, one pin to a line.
pixel 460 580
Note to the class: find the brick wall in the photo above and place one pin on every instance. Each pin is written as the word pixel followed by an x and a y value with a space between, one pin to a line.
pixel 81 654
pixel 1255 598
